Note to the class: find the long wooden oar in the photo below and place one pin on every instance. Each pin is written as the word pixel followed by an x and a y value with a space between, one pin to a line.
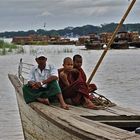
pixel 111 41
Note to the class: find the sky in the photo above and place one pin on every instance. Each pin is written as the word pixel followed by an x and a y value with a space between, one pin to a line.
pixel 23 15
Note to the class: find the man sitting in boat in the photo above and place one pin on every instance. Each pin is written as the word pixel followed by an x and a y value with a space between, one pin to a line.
pixel 42 83
pixel 73 86
pixel 77 64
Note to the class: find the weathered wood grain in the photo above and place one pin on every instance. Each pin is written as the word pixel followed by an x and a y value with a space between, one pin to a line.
pixel 41 122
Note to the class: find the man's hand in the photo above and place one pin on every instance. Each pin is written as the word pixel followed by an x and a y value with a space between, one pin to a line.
pixel 63 76
pixel 35 85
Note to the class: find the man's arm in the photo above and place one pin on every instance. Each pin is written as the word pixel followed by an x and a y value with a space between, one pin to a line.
pixel 64 79
pixel 31 79
pixel 51 78
pixel 34 85
pixel 53 75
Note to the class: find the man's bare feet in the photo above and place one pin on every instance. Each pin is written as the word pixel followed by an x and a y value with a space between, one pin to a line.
pixel 89 104
pixel 65 106
pixel 44 101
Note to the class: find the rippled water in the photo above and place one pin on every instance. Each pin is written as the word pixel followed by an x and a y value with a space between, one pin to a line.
pixel 117 78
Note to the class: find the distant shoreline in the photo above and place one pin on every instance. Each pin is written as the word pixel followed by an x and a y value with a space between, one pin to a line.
pixel 74 31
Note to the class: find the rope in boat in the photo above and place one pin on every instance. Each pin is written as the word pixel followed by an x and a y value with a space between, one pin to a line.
pixel 101 100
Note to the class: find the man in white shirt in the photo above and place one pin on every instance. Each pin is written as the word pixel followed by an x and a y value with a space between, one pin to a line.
pixel 42 83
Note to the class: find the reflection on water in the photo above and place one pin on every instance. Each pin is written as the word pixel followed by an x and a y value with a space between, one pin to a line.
pixel 117 78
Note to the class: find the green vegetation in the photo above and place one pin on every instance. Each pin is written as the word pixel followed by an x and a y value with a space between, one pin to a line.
pixel 67 50
pixel 7 48
pixel 75 31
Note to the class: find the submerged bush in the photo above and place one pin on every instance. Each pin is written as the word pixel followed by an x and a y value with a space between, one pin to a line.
pixel 8 47
pixel 67 50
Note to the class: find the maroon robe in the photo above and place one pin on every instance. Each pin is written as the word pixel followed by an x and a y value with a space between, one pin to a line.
pixel 77 89
pixel 92 87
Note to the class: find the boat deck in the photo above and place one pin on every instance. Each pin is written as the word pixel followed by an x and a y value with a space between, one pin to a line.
pixel 82 123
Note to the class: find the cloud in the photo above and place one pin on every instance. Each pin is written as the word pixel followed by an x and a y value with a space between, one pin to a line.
pixel 46 13
pixel 31 14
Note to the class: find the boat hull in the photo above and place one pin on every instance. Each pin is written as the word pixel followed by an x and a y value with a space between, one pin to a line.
pixel 94 46
pixel 37 126
pixel 41 122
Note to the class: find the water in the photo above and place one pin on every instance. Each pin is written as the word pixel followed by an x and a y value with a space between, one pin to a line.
pixel 117 78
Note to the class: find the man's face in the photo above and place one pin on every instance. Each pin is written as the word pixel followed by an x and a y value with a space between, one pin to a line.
pixel 68 65
pixel 77 63
pixel 41 61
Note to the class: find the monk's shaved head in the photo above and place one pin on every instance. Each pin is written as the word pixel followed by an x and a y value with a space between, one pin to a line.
pixel 67 59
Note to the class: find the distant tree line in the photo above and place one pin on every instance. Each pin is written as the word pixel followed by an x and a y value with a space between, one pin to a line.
pixel 74 31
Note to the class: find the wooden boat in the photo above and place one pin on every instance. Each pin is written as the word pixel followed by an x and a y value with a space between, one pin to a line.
pixel 94 45
pixel 135 44
pixel 42 122
pixel 41 40
pixel 120 45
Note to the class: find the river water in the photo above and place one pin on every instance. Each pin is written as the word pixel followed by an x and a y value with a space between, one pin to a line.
pixel 118 78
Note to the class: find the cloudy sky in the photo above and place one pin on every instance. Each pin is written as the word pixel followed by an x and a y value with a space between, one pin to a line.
pixel 26 15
